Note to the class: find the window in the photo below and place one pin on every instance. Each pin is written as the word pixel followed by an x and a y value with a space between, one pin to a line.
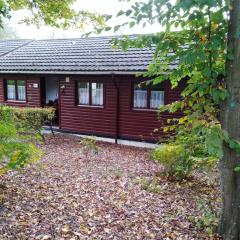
pixel 97 94
pixel 90 93
pixel 140 96
pixel 83 93
pixel 148 96
pixel 16 90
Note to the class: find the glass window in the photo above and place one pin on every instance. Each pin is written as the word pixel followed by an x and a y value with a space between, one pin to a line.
pixel 140 96
pixel 11 91
pixel 157 99
pixel 97 94
pixel 21 89
pixel 16 90
pixel 90 93
pixel 148 96
pixel 83 93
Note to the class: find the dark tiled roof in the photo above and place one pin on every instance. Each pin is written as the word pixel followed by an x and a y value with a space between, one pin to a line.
pixel 10 45
pixel 72 56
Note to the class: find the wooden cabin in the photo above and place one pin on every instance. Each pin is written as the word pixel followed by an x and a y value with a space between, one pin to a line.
pixel 93 86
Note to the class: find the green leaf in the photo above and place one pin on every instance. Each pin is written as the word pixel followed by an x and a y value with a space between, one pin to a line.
pixel 116 28
pixel 132 24
pixel 107 28
pixel 237 169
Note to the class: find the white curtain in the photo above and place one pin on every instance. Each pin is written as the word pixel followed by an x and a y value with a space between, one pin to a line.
pixel 140 98
pixel 157 99
pixel 21 93
pixel 11 92
pixel 97 94
pixel 83 93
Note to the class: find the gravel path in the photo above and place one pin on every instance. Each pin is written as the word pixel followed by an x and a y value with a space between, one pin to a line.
pixel 71 195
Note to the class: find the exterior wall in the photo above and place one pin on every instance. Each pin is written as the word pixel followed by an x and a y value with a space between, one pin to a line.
pixel 133 124
pixel 88 119
pixel 140 124
pixel 33 94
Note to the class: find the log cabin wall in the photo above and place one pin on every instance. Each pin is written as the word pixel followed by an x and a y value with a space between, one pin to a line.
pixel 128 123
pixel 91 120
pixel 116 119
pixel 141 124
pixel 33 93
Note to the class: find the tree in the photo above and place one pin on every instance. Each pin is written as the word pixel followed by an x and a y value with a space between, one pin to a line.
pixel 200 44
pixel 230 120
pixel 60 14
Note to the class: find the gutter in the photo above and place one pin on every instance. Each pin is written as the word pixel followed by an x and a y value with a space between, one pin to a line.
pixel 75 73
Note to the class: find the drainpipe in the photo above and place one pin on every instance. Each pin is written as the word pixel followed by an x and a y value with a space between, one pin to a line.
pixel 116 85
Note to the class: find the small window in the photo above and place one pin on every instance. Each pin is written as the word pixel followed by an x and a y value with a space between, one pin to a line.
pixel 11 91
pixel 83 93
pixel 148 96
pixel 140 96
pixel 157 99
pixel 21 91
pixel 90 93
pixel 97 94
pixel 16 90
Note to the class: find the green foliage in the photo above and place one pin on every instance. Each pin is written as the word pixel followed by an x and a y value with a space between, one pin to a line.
pixel 150 185
pixel 183 153
pixel 208 220
pixel 174 159
pixel 30 120
pixel 16 149
pixel 89 145
pixel 192 48
pixel 54 13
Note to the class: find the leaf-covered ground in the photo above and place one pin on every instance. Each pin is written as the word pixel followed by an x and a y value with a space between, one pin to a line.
pixel 115 194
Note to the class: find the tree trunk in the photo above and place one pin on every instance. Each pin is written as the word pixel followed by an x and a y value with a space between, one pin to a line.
pixel 230 119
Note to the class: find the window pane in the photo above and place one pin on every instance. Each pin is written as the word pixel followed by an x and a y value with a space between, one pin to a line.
pixel 11 94
pixel 97 94
pixel 83 93
pixel 21 90
pixel 157 99
pixel 140 96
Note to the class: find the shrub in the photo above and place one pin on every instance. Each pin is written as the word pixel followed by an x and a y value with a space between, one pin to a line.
pixel 150 185
pixel 174 160
pixel 30 120
pixel 89 145
pixel 16 149
pixel 183 153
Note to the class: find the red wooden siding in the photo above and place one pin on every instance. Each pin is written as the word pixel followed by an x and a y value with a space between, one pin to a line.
pixel 88 119
pixel 140 124
pixel 102 121
pixel 133 124
pixel 33 94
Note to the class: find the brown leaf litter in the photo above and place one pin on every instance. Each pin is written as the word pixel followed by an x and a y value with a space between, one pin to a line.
pixel 71 195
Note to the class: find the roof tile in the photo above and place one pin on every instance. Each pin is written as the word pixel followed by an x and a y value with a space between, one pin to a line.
pixel 71 55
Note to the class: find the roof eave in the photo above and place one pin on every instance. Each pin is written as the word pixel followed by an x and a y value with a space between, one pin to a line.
pixel 75 72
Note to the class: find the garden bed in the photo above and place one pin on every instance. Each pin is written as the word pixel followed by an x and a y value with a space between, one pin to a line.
pixel 117 193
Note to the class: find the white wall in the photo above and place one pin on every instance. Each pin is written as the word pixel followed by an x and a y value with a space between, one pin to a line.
pixel 51 89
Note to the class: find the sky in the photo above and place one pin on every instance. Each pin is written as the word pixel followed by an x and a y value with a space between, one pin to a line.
pixel 100 6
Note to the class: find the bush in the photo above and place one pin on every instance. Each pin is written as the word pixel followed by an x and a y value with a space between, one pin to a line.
pixel 89 145
pixel 29 120
pixel 16 149
pixel 183 153
pixel 174 160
